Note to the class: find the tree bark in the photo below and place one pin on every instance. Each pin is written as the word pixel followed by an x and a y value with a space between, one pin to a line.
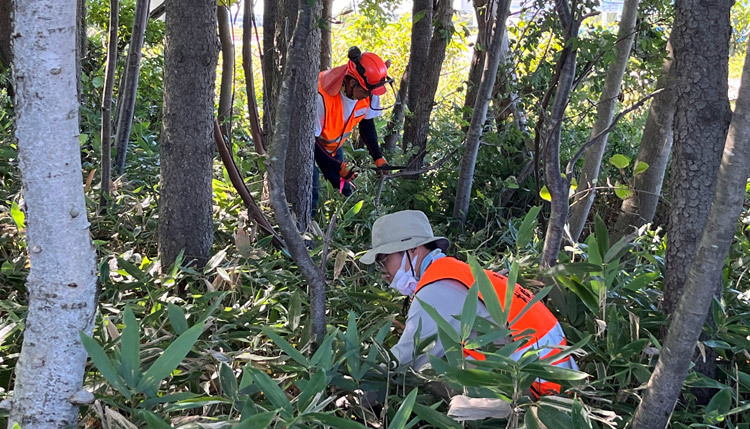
pixel 62 277
pixel 605 111
pixel 701 54
pixel 484 95
pixel 557 185
pixel 247 64
pixel 276 170
pixel 326 60
pixel 665 384
pixel 656 144
pixel 6 55
pixel 395 123
pixel 421 30
pixel 129 89
pixel 109 81
pixel 191 52
pixel 226 92
pixel 485 24
pixel 417 127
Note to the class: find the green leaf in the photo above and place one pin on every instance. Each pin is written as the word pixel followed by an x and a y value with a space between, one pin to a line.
pixel 404 411
pixel 354 210
pixel 317 384
pixel 323 357
pixel 104 365
pixel 452 336
pixel 602 236
pixel 333 421
pixel 720 404
pixel 353 359
pixel 469 313
pixel 198 402
pixel 260 420
pixel 177 318
pixel 228 381
pixel 544 194
pixel 130 349
pixel 18 216
pixel 580 417
pixel 286 347
pixel 526 230
pixel 169 359
pixel 530 420
pixel 153 420
pixel 640 167
pixel 553 373
pixel 435 418
pixel 489 296
pixel 131 269
pixel 622 191
pixel 272 391
pixel 619 160
pixel 631 348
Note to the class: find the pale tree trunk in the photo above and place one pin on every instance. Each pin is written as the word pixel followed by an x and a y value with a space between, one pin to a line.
pixel 417 127
pixel 605 111
pixel 486 85
pixel 326 60
pixel 557 185
pixel 227 71
pixel 421 31
pixel 666 381
pixel 395 123
pixel 276 161
pixel 700 38
pixel 109 80
pixel 127 92
pixel 62 277
pixel 247 65
pixel 191 52
pixel 656 144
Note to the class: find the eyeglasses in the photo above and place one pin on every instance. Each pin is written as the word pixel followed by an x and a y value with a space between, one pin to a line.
pixel 380 259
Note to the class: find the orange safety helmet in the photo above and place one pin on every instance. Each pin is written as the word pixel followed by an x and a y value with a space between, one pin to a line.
pixel 369 70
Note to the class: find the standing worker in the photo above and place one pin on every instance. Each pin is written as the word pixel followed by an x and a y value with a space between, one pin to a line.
pixel 412 259
pixel 347 95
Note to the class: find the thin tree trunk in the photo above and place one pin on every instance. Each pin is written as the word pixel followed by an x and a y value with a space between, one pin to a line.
pixel 656 144
pixel 276 169
pixel 226 93
pixel 247 64
pixel 109 80
pixel 187 146
pixel 299 153
pixel 129 89
pixel 666 381
pixel 82 43
pixel 62 277
pixel 486 85
pixel 417 129
pixel 421 30
pixel 485 24
pixel 701 47
pixel 557 185
pixel 6 55
pixel 395 123
pixel 326 60
pixel 605 111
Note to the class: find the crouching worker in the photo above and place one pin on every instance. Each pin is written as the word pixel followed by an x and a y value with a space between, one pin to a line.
pixel 413 260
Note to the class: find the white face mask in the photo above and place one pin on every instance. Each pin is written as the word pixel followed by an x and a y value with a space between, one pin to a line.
pixel 404 280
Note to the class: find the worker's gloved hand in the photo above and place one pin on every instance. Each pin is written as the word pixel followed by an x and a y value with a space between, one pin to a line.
pixel 348 172
pixel 381 166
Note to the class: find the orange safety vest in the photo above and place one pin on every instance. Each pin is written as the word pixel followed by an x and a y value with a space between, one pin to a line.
pixel 546 332
pixel 335 129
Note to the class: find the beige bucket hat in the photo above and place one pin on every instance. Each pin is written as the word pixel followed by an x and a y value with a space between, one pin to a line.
pixel 400 231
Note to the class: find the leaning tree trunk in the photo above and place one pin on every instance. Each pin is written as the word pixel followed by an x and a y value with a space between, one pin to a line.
pixel 395 123
pixel 666 381
pixel 130 88
pixel 486 85
pixel 226 93
pixel 276 161
pixel 700 38
pixel 109 81
pixel 656 144
pixel 605 111
pixel 191 52
pixel 485 24
pixel 247 65
pixel 418 126
pixel 421 30
pixel 326 60
pixel 557 185
pixel 62 275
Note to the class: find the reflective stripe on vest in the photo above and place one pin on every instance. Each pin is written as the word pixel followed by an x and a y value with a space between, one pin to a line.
pixel 335 129
pixel 544 332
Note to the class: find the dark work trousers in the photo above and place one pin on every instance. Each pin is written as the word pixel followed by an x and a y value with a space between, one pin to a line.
pixel 332 175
